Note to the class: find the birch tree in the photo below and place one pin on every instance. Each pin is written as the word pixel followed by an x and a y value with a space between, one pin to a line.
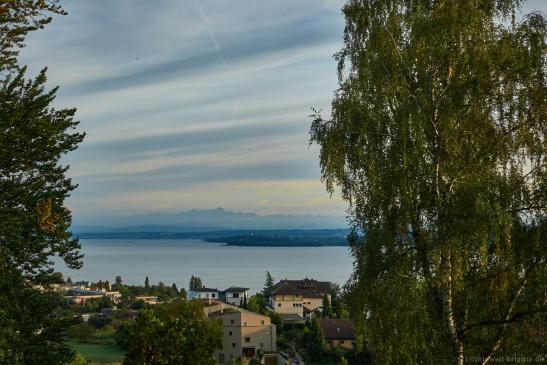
pixel 437 142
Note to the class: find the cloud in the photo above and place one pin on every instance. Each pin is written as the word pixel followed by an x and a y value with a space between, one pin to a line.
pixel 185 102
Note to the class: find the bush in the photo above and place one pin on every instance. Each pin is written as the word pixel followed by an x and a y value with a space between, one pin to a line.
pixel 82 331
pixel 99 321
pixel 78 360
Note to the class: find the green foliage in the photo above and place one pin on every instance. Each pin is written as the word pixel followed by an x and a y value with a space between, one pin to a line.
pixel 99 321
pixel 118 281
pixel 268 284
pixel 339 307
pixel 195 283
pixel 98 353
pixel 32 324
pixel 17 18
pixel 34 221
pixel 257 303
pixel 174 333
pixel 78 360
pixel 33 186
pixel 277 320
pixel 437 140
pixel 81 331
pixel 161 291
pixel 326 308
pixel 314 341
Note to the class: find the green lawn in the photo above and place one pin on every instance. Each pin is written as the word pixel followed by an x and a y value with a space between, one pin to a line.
pixel 98 353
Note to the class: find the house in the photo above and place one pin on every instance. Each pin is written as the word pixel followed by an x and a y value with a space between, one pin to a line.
pixel 203 293
pixel 338 332
pixel 298 297
pixel 245 334
pixel 79 296
pixel 211 306
pixel 235 295
pixel 148 299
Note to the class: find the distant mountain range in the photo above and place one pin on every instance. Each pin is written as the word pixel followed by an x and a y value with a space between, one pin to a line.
pixel 204 221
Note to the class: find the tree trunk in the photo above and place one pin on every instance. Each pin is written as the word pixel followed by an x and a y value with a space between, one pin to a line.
pixel 448 310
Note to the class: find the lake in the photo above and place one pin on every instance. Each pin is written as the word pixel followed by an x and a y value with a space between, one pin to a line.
pixel 219 266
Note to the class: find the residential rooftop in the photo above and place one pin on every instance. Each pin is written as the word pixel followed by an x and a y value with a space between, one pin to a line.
pixel 309 288
pixel 337 329
pixel 236 289
pixel 201 290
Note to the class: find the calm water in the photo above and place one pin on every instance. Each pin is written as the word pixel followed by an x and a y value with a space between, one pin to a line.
pixel 218 266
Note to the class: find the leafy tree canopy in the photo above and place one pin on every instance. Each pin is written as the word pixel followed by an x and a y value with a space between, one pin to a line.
pixel 17 18
pixel 175 333
pixel 33 185
pixel 437 141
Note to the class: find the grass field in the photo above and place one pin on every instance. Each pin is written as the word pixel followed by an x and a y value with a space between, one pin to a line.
pixel 98 353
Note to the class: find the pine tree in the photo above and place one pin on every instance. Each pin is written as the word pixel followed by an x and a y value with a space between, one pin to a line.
pixel 314 341
pixel 195 283
pixel 146 283
pixel 34 221
pixel 268 284
pixel 326 308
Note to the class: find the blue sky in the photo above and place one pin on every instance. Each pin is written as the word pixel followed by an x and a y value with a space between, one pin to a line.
pixel 195 104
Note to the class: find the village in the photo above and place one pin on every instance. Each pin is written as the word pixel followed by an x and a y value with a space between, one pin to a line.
pixel 283 324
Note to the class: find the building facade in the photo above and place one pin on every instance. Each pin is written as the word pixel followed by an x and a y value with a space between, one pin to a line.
pixel 203 293
pixel 245 334
pixel 298 297
pixel 235 295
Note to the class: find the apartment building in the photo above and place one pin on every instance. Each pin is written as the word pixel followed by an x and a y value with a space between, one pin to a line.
pixel 245 334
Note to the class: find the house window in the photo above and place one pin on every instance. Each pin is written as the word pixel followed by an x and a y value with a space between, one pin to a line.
pixel 230 333
pixel 279 304
pixel 262 322
pixel 231 321
pixel 233 344
pixel 221 358
pixel 235 295
pixel 261 345
pixel 213 295
pixel 244 324
pixel 247 339
pixel 207 295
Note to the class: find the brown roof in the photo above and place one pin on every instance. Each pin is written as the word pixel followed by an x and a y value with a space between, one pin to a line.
pixel 309 288
pixel 337 329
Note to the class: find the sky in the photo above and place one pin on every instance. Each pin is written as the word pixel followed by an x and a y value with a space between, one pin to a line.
pixel 196 103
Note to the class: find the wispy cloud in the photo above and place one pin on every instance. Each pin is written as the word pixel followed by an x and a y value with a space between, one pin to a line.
pixel 194 104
